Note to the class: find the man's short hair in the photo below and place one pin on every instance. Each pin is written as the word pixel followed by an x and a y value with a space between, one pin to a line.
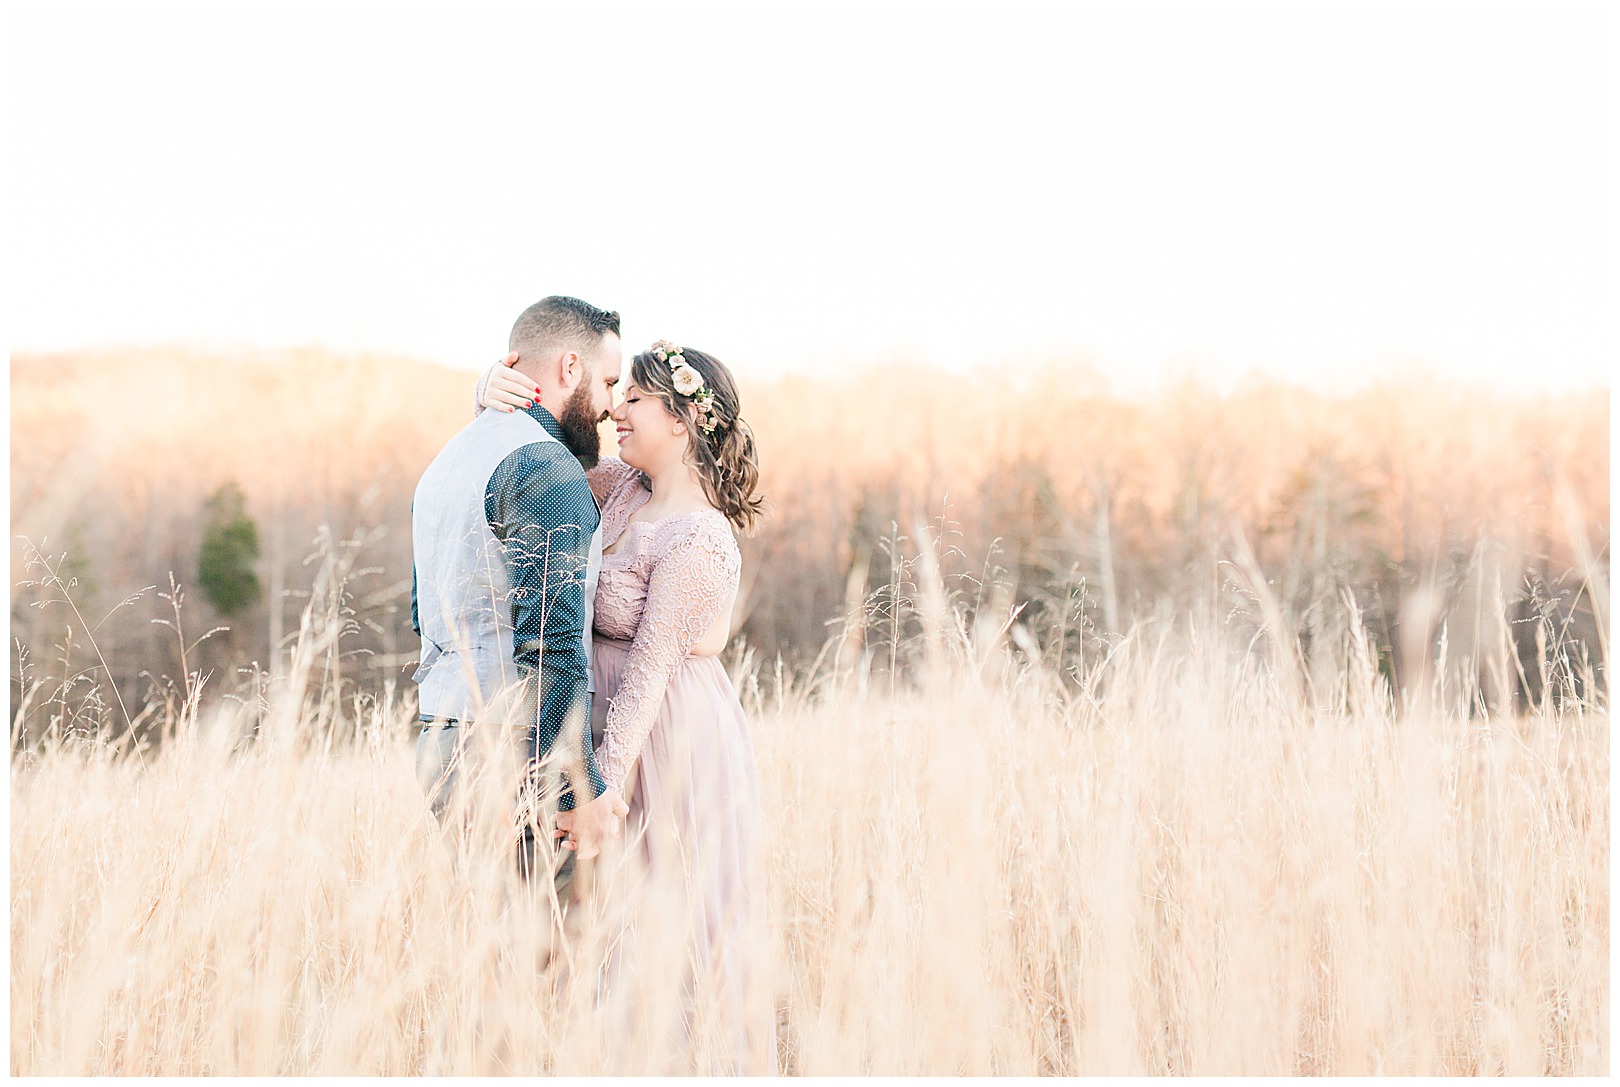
pixel 561 323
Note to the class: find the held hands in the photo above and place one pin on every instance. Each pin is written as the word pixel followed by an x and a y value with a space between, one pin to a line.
pixel 507 390
pixel 589 827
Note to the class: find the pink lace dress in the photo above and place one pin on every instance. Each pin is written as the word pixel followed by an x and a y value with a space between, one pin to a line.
pixel 674 740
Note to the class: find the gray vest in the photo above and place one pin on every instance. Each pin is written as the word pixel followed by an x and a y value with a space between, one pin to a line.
pixel 463 589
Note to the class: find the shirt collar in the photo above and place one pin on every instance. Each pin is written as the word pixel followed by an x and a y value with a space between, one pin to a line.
pixel 547 420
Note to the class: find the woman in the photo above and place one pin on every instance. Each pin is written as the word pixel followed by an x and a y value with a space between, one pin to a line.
pixel 673 738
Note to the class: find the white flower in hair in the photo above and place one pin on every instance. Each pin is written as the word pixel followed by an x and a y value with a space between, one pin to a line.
pixel 687 380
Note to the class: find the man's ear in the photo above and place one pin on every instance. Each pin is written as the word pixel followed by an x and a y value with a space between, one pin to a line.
pixel 571 369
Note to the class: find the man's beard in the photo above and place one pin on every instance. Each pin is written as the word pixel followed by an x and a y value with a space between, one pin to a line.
pixel 580 427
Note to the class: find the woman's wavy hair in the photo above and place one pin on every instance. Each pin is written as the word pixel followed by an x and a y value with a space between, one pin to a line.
pixel 727 460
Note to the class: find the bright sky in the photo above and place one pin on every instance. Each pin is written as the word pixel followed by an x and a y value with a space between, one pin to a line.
pixel 1318 191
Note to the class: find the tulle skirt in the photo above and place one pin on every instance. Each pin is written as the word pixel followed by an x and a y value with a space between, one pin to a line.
pixel 696 834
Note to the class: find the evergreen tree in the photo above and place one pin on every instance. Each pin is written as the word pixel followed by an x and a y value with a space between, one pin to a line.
pixel 230 546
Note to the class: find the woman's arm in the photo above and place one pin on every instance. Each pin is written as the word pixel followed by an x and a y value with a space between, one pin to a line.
pixel 503 388
pixel 608 475
pixel 690 583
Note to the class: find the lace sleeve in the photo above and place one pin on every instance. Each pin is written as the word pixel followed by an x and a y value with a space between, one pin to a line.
pixel 608 476
pixel 690 583
pixel 479 389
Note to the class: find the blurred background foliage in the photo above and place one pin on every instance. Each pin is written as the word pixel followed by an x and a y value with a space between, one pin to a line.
pixel 1063 513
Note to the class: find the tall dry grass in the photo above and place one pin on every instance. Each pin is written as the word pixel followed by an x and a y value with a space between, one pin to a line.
pixel 1194 854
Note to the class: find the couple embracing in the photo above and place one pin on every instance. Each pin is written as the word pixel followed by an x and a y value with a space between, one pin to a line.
pixel 584 599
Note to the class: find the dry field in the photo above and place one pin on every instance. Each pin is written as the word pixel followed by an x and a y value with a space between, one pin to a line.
pixel 1193 856
pixel 1263 733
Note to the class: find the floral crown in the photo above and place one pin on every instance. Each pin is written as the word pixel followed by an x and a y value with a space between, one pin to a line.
pixel 689 383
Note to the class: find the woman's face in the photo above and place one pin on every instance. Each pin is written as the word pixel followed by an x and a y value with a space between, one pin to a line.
pixel 650 438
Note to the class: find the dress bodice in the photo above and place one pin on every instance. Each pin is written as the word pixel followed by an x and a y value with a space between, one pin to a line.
pixel 662 588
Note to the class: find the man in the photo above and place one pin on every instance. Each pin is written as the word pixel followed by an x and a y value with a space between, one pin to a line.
pixel 504 529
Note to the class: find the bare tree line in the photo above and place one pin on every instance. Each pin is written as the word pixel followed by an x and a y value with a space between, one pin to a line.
pixel 1445 514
